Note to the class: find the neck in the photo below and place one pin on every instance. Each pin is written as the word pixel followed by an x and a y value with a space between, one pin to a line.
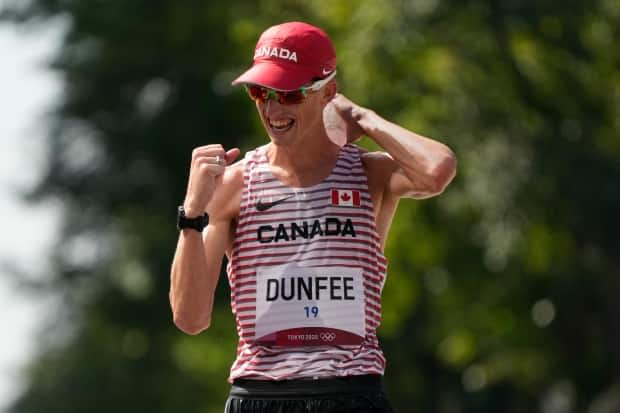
pixel 303 165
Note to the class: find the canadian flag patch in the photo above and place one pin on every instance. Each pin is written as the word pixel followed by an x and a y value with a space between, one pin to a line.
pixel 346 197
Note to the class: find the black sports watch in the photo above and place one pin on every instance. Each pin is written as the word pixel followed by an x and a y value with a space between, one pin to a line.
pixel 199 223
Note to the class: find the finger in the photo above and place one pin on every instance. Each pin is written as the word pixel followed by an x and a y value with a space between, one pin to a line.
pixel 218 160
pixel 340 100
pixel 342 105
pixel 231 155
pixel 210 146
pixel 210 156
pixel 212 168
pixel 208 150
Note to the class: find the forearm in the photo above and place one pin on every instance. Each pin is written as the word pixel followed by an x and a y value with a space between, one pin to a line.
pixel 192 284
pixel 426 163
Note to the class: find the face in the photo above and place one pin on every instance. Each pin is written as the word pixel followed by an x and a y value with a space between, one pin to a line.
pixel 288 125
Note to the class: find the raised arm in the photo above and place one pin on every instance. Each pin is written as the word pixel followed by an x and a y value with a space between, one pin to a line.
pixel 417 167
pixel 198 256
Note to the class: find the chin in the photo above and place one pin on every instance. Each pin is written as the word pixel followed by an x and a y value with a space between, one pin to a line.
pixel 287 139
pixel 278 141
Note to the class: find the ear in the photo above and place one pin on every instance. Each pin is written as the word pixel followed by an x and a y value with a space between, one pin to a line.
pixel 329 91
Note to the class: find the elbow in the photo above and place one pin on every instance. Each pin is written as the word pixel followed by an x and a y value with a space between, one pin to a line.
pixel 191 325
pixel 443 173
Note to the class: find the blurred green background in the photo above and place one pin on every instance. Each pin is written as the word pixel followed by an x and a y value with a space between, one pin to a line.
pixel 502 294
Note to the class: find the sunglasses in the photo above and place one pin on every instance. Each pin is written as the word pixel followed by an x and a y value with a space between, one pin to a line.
pixel 263 94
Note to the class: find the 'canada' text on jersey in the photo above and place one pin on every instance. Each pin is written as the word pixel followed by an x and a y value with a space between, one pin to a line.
pixel 305 230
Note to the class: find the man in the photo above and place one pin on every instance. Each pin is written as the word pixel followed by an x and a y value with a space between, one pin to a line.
pixel 303 222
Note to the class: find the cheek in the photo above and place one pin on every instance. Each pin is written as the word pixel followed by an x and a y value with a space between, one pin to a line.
pixel 314 116
pixel 312 113
pixel 261 112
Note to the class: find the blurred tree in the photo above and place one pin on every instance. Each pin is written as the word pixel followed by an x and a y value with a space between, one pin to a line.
pixel 502 292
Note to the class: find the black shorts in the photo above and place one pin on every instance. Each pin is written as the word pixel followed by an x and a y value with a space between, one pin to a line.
pixel 359 394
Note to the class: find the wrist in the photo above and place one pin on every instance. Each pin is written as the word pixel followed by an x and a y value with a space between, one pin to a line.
pixel 191 211
pixel 185 221
pixel 366 119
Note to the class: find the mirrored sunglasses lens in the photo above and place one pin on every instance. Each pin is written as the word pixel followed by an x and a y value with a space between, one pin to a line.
pixel 257 93
pixel 262 94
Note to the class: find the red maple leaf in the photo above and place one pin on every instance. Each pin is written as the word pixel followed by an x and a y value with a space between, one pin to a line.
pixel 345 197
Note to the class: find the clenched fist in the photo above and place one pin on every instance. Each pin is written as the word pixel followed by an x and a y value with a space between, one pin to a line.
pixel 205 174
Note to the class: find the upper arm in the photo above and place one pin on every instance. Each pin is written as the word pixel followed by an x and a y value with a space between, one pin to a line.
pixel 387 184
pixel 386 176
pixel 379 171
pixel 396 183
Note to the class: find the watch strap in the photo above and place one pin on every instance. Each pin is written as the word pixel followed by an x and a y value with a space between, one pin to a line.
pixel 198 223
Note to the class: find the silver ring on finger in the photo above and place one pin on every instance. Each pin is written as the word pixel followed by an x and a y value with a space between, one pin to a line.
pixel 218 159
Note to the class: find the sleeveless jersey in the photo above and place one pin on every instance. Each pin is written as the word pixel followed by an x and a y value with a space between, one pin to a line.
pixel 306 273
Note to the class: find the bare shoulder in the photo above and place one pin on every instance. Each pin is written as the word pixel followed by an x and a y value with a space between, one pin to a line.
pixel 377 159
pixel 379 168
pixel 227 197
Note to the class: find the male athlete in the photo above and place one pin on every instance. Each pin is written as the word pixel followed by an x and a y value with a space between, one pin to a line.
pixel 303 221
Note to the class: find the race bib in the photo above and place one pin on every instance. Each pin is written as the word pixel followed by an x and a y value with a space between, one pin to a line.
pixel 302 306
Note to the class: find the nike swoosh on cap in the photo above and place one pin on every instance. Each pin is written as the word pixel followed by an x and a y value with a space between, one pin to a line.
pixel 261 206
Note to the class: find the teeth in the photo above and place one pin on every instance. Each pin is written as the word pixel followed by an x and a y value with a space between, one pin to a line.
pixel 279 124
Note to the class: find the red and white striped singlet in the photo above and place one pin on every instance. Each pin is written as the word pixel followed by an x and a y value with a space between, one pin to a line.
pixel 315 244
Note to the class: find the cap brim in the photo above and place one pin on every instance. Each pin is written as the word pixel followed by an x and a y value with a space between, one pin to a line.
pixel 275 76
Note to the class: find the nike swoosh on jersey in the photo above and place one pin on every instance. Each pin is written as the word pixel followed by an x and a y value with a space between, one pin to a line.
pixel 260 206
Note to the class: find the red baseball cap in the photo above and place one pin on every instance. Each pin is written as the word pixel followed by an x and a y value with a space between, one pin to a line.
pixel 289 56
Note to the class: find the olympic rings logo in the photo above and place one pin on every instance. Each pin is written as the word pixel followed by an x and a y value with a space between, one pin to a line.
pixel 328 336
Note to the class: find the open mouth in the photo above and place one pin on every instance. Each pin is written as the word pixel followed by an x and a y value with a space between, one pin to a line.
pixel 281 125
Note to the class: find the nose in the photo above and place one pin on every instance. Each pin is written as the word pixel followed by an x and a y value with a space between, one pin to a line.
pixel 271 106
